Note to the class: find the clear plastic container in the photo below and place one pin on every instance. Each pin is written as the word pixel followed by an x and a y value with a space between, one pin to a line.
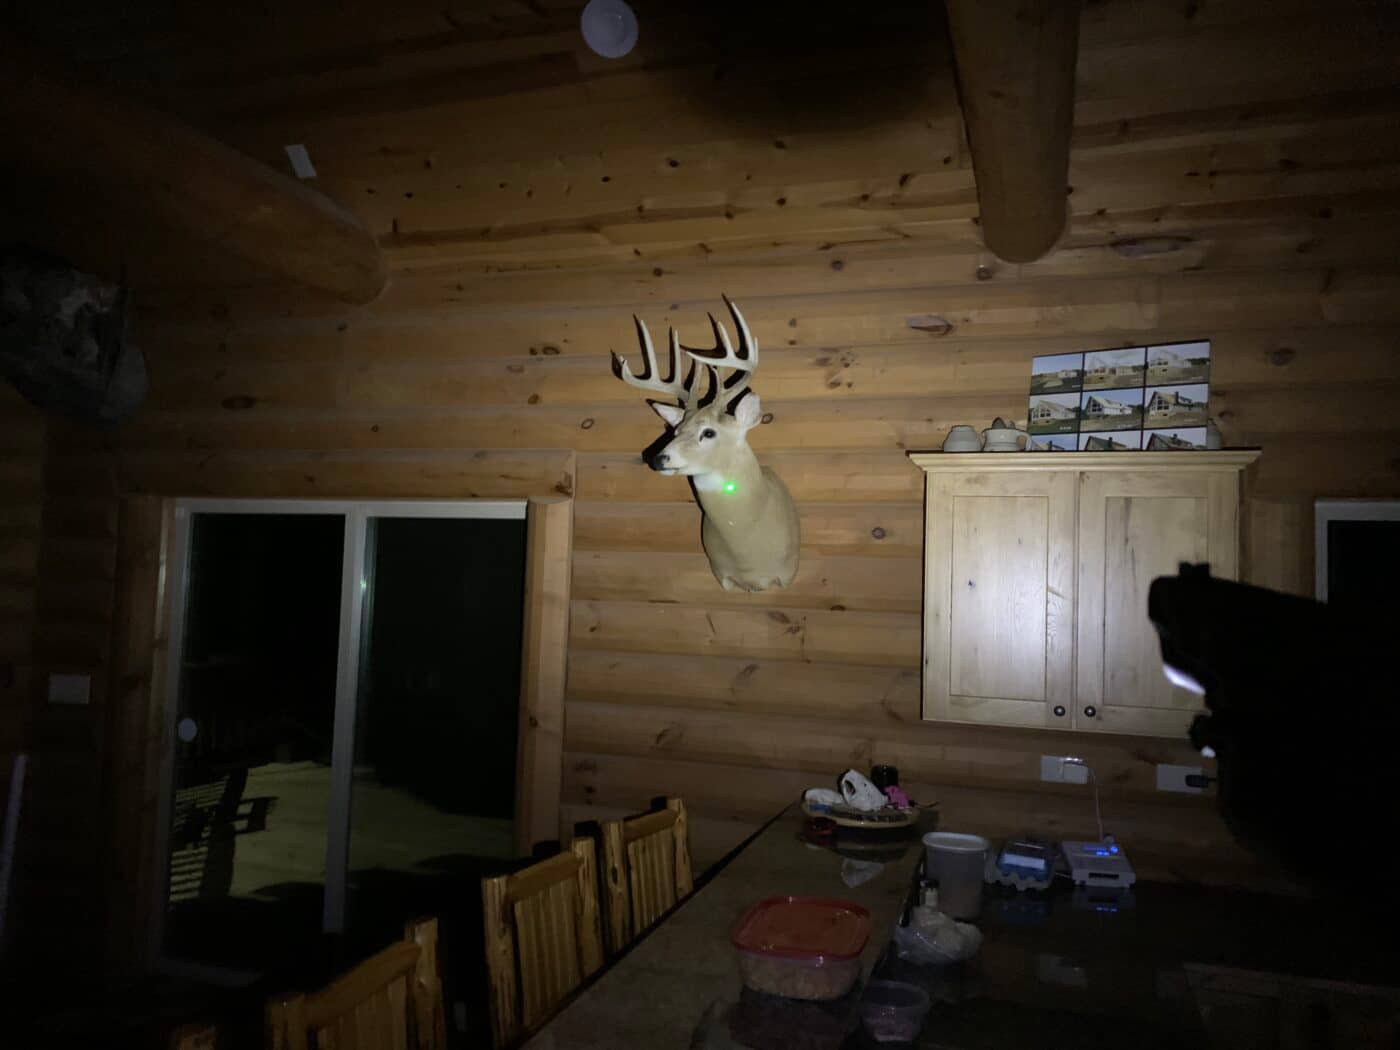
pixel 893 1011
pixel 957 862
pixel 801 947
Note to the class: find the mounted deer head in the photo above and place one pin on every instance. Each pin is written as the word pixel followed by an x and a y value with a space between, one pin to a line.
pixel 750 526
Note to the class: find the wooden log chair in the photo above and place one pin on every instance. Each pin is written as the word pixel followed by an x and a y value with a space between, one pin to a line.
pixel 544 937
pixel 391 1001
pixel 646 870
pixel 195 1037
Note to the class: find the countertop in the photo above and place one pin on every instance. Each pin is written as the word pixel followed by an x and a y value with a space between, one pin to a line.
pixel 676 981
pixel 1159 966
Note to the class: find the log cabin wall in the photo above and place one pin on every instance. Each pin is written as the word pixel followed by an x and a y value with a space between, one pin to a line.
pixel 22 436
pixel 22 430
pixel 1235 176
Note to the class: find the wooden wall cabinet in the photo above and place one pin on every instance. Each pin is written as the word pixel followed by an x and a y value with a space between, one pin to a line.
pixel 1036 570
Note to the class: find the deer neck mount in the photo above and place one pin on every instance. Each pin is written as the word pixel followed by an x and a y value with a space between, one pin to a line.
pixel 749 523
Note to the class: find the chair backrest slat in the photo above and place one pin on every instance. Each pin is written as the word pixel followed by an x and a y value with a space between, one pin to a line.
pixel 196 1036
pixel 500 960
pixel 538 877
pixel 396 1036
pixel 286 1024
pixel 590 920
pixel 649 825
pixel 646 865
pixel 680 835
pixel 547 923
pixel 364 983
pixel 543 938
pixel 652 891
pixel 615 882
pixel 391 1001
pixel 425 988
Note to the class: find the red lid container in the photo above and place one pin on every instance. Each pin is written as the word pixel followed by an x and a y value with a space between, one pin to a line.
pixel 808 928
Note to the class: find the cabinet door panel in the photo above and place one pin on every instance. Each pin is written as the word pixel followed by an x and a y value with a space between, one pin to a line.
pixel 998 639
pixel 1144 537
pixel 1132 529
pixel 1000 553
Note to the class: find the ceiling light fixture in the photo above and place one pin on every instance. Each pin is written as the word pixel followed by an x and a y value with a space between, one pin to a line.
pixel 609 27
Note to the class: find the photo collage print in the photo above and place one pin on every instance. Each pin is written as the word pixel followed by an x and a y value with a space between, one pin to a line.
pixel 1155 398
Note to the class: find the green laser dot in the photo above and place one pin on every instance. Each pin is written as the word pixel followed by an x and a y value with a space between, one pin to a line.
pixel 729 486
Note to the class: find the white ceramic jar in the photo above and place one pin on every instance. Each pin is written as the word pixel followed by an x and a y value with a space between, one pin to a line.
pixel 962 439
pixel 1002 439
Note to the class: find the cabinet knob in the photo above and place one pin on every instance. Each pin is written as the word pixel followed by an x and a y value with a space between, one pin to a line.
pixel 1059 710
pixel 1090 711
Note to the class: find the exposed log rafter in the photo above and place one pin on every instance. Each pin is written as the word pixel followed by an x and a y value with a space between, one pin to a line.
pixel 61 126
pixel 1015 62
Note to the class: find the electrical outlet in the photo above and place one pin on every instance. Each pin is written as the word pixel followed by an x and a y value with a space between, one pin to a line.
pixel 1058 770
pixel 1173 778
pixel 301 161
pixel 70 688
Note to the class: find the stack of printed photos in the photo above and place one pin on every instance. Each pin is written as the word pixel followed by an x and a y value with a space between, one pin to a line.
pixel 1145 397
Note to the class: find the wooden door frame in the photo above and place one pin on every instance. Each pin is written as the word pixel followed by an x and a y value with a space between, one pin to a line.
pixel 136 732
pixel 544 652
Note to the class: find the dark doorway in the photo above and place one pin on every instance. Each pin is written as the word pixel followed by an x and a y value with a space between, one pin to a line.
pixel 295 746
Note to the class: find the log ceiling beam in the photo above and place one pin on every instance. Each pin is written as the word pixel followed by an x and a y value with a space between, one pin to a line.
pixel 59 125
pixel 1015 63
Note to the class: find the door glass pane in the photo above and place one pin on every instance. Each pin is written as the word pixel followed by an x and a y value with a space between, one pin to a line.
pixel 253 741
pixel 435 733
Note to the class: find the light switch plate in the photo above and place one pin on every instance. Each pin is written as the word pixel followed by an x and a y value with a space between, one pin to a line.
pixel 70 688
pixel 1173 778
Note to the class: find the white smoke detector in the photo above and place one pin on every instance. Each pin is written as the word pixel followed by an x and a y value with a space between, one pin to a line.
pixel 609 27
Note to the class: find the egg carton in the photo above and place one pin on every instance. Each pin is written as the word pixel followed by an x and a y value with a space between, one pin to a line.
pixel 993 874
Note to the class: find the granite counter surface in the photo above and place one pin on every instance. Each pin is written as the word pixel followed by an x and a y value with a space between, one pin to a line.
pixel 658 994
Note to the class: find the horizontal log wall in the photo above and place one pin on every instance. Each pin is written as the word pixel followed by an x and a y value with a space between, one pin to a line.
pixel 532 197
pixel 22 430
pixel 22 440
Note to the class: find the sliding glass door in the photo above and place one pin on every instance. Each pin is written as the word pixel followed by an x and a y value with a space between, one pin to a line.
pixel 344 684
pixel 254 708
pixel 436 713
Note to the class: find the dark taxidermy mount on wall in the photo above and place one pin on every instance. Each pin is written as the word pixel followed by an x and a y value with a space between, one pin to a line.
pixel 63 339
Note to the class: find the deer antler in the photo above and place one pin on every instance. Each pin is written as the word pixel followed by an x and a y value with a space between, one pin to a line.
pixel 722 355
pixel 650 379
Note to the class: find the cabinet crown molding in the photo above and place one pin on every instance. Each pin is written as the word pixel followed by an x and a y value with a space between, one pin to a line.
pixel 1221 459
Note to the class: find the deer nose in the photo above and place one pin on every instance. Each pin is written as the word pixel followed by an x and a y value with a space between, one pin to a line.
pixel 660 460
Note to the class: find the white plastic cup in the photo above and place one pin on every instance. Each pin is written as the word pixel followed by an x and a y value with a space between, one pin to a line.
pixel 957 862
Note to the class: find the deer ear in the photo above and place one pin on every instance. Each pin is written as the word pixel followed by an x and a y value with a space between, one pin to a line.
pixel 672 414
pixel 748 412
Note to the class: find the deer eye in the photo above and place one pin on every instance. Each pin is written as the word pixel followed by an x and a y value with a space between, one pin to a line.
pixel 708 432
